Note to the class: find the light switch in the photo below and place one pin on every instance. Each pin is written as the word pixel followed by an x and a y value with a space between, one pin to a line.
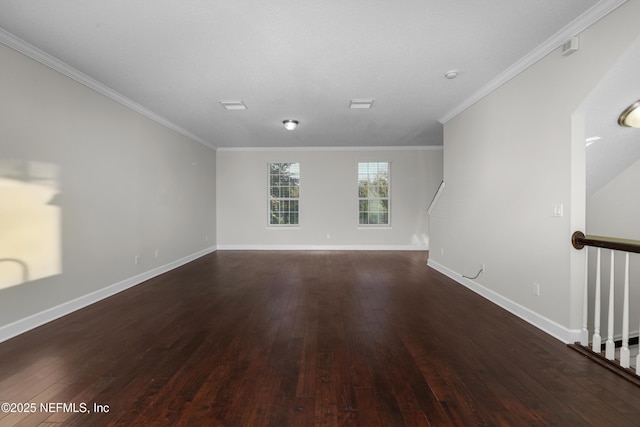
pixel 556 210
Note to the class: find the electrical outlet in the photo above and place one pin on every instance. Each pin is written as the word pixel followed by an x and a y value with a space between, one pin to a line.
pixel 206 238
pixel 536 289
pixel 484 268
pixel 136 259
pixel 156 253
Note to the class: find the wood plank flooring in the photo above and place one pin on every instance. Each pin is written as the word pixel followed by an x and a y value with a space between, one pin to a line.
pixel 282 339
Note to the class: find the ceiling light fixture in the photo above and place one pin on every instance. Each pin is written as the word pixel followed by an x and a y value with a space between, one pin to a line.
pixel 233 105
pixel 592 139
pixel 630 117
pixel 290 124
pixel 361 103
pixel 452 74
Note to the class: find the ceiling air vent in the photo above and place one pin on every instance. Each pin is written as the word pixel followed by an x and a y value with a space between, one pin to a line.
pixel 233 105
pixel 361 103
pixel 571 46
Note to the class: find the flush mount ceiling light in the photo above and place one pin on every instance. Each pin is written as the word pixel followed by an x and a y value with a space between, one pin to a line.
pixel 361 103
pixel 290 124
pixel 233 105
pixel 630 117
pixel 451 74
pixel 592 139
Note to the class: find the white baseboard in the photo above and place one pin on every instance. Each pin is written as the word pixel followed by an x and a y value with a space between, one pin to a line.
pixel 23 325
pixel 322 248
pixel 546 325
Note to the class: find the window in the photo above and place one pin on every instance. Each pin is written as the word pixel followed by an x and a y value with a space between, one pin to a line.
pixel 284 193
pixel 373 193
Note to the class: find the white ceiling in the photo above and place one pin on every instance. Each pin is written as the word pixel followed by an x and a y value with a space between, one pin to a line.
pixel 302 60
pixel 619 147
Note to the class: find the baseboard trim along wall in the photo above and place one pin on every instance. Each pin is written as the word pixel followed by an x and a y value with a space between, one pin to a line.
pixel 322 248
pixel 23 325
pixel 546 325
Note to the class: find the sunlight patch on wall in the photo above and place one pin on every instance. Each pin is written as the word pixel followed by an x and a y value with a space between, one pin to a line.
pixel 30 221
pixel 420 239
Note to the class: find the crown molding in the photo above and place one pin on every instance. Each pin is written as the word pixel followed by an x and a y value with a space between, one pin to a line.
pixel 44 58
pixel 336 148
pixel 584 21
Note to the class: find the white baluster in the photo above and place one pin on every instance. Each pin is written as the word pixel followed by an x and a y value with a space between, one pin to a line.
pixel 584 339
pixel 625 355
pixel 610 348
pixel 596 345
pixel 638 362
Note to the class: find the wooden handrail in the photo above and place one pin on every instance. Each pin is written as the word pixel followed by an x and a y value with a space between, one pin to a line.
pixel 579 241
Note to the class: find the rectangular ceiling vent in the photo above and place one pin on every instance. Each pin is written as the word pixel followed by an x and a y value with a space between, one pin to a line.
pixel 361 103
pixel 233 105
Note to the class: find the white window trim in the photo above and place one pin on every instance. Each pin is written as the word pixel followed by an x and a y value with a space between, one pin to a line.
pixel 389 197
pixel 268 204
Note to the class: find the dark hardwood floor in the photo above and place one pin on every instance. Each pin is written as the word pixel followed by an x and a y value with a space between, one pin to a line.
pixel 304 339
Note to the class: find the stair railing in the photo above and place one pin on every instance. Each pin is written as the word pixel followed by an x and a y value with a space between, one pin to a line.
pixel 626 246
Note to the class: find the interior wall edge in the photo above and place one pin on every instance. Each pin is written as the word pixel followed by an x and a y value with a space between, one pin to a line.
pixel 65 69
pixel 322 248
pixel 546 325
pixel 38 319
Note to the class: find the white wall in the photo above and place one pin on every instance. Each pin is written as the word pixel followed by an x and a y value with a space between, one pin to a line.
pixel 124 185
pixel 614 211
pixel 507 160
pixel 328 199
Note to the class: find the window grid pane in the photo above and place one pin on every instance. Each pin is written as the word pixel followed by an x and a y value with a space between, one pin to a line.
pixel 373 193
pixel 284 192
